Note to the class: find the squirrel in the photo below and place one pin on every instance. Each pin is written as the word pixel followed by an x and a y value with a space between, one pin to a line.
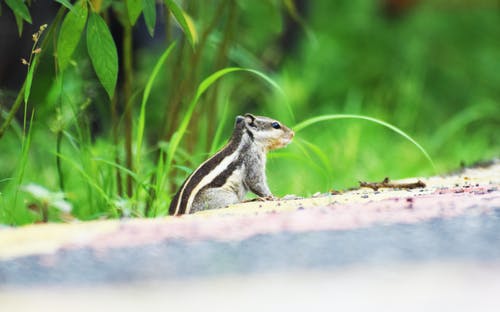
pixel 239 167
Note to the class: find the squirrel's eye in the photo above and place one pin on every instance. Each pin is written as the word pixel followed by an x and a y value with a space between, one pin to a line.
pixel 275 125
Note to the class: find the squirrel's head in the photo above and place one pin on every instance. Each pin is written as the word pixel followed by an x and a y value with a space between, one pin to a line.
pixel 266 132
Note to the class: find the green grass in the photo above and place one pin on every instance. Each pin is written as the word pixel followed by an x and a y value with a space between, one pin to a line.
pixel 368 97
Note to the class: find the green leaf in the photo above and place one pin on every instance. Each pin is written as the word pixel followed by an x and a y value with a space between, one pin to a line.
pixel 66 3
pixel 102 52
pixel 19 22
pixel 19 8
pixel 70 33
pixel 29 79
pixel 184 21
pixel 134 9
pixel 149 11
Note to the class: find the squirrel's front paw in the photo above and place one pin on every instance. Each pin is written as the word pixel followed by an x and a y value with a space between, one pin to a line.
pixel 267 198
pixel 262 199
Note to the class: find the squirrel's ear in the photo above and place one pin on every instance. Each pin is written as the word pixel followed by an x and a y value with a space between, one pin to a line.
pixel 239 119
pixel 250 118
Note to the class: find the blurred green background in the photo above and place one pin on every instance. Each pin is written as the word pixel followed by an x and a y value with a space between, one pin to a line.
pixel 430 68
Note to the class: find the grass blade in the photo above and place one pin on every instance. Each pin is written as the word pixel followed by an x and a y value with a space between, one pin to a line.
pixel 184 21
pixel 461 120
pixel 220 126
pixel 204 85
pixel 117 166
pixel 311 121
pixel 90 180
pixel 29 79
pixel 318 152
pixel 26 144
pixel 145 97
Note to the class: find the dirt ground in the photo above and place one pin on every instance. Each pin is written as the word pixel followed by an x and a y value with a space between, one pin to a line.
pixel 431 248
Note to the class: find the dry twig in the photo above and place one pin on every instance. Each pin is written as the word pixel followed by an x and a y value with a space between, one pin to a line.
pixel 387 184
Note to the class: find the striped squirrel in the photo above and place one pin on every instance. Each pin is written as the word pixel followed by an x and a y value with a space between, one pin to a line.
pixel 239 167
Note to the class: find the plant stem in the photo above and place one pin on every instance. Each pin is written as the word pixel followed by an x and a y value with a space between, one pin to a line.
pixel 45 212
pixel 114 122
pixel 127 90
pixel 168 29
pixel 196 57
pixel 13 110
pixel 58 159
pixel 187 86
pixel 220 62
pixel 20 95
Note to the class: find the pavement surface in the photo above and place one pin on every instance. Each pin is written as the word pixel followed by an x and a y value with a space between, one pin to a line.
pixel 432 248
